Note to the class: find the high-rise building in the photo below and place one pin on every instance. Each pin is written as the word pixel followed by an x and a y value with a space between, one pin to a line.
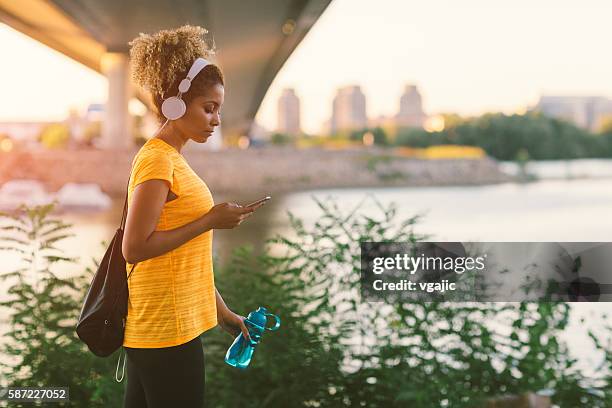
pixel 588 112
pixel 411 112
pixel 289 113
pixel 349 109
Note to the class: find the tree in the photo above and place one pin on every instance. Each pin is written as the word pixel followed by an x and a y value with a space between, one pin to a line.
pixel 503 137
pixel 55 136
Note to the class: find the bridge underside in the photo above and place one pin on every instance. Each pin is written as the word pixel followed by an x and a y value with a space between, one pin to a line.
pixel 253 40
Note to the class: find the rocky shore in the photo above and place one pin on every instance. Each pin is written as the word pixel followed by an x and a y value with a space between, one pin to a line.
pixel 270 169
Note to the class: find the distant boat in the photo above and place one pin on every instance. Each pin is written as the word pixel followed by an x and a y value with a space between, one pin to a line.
pixel 13 193
pixel 82 196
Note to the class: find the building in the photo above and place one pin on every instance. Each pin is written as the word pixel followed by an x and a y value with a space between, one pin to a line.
pixel 411 112
pixel 588 112
pixel 348 110
pixel 289 113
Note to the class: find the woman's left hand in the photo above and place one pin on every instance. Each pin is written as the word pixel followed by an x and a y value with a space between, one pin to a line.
pixel 233 323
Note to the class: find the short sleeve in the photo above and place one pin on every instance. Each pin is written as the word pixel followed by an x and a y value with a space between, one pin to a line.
pixel 153 164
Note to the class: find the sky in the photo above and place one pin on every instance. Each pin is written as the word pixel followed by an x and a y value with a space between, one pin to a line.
pixel 468 57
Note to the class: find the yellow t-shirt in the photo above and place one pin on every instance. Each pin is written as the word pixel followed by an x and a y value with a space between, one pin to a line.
pixel 172 296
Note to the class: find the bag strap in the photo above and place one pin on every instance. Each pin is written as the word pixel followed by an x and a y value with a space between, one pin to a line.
pixel 122 225
pixel 124 217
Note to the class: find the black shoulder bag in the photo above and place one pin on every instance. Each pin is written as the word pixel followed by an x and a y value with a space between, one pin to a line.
pixel 102 321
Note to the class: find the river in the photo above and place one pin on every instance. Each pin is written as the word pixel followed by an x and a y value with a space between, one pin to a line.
pixel 555 209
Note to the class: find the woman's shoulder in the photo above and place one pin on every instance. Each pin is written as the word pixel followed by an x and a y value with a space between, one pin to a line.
pixel 155 145
pixel 151 149
pixel 152 161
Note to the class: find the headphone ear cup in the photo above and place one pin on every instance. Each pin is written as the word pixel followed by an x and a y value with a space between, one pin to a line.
pixel 173 108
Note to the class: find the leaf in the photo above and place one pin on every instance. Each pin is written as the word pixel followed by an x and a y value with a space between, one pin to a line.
pixel 13 239
pixel 53 258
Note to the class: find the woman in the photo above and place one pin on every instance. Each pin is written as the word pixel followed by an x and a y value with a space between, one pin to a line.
pixel 169 228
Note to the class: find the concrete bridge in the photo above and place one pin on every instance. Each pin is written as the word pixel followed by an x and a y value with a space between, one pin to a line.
pixel 253 40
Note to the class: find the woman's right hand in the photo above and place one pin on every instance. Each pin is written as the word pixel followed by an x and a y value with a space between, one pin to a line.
pixel 228 215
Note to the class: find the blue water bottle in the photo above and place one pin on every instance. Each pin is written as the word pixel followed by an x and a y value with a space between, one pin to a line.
pixel 241 351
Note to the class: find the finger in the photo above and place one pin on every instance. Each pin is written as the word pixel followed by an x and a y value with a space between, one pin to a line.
pixel 256 206
pixel 243 328
pixel 259 204
pixel 247 210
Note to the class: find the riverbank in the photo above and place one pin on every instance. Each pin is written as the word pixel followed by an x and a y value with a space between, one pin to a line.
pixel 270 169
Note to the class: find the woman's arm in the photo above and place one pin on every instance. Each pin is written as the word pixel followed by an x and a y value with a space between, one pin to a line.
pixel 228 320
pixel 142 242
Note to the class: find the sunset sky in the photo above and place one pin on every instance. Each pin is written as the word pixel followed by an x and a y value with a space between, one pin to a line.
pixel 467 56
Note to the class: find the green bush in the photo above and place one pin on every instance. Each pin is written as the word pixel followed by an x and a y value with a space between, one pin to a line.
pixel 423 354
pixel 43 310
pixel 333 348
pixel 281 139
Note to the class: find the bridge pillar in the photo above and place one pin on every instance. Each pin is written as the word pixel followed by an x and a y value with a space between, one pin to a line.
pixel 116 126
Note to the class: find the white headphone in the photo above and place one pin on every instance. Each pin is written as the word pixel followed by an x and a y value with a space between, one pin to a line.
pixel 174 107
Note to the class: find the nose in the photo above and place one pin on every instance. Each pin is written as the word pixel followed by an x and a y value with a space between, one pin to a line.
pixel 216 119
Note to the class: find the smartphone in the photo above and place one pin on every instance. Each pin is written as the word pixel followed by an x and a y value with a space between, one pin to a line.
pixel 263 200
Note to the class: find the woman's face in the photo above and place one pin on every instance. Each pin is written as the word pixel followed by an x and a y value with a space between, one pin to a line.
pixel 203 115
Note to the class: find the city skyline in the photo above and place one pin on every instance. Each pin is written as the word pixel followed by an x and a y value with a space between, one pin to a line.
pixel 349 111
pixel 457 67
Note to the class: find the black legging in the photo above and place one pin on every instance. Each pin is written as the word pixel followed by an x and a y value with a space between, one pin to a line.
pixel 165 377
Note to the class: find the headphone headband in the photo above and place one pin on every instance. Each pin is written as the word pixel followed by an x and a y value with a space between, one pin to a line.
pixel 174 107
pixel 197 66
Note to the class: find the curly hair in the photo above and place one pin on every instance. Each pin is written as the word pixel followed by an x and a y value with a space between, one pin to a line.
pixel 160 61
